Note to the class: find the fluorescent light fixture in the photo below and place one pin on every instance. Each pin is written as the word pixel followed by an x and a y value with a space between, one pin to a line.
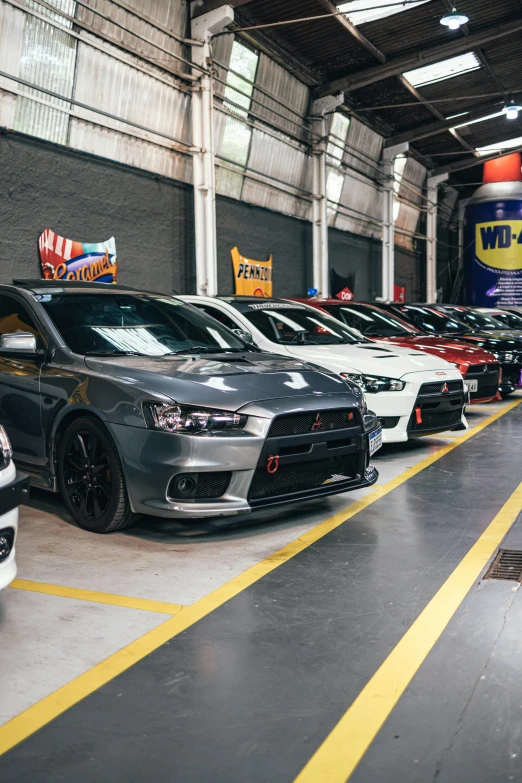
pixel 480 119
pixel 358 11
pixel 500 146
pixel 445 69
pixel 454 116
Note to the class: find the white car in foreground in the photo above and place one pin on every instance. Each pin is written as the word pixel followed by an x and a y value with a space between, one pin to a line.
pixel 14 490
pixel 412 393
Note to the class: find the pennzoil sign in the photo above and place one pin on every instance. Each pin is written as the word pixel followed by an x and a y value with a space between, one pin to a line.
pixel 251 278
pixel 67 259
pixel 498 244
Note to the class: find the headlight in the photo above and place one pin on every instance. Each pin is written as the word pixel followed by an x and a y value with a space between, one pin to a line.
pixel 374 383
pixel 6 452
pixel 190 420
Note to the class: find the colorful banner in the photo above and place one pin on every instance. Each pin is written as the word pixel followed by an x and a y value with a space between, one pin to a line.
pixel 252 278
pixel 65 259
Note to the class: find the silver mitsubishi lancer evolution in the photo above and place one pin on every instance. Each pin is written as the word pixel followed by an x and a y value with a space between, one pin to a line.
pixel 130 403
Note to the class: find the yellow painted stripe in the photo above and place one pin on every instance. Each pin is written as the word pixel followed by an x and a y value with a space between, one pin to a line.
pixel 338 756
pixel 144 604
pixel 32 719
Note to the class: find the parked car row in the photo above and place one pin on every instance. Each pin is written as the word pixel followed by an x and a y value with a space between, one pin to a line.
pixel 129 402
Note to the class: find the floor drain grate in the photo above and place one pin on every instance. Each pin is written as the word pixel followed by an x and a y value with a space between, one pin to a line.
pixel 506 565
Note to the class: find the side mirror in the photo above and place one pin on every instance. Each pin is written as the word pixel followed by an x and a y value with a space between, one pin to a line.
pixel 18 343
pixel 246 336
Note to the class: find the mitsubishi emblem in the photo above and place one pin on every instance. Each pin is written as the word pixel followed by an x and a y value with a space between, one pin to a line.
pixel 318 424
pixel 445 388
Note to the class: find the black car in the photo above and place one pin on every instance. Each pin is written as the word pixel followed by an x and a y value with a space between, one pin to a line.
pixel 130 402
pixel 432 319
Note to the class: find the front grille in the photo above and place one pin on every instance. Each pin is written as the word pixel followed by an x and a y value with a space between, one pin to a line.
pixel 297 477
pixel 389 422
pixel 299 423
pixel 213 484
pixel 433 420
pixel 484 391
pixel 436 388
pixel 478 369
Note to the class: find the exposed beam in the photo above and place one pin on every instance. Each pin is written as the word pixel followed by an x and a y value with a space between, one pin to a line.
pixel 470 162
pixel 433 128
pixel 353 30
pixel 199 7
pixel 432 54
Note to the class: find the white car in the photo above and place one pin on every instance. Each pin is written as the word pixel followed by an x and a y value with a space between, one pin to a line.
pixel 14 490
pixel 412 393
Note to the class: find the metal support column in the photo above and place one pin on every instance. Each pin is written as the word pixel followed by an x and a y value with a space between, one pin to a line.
pixel 202 29
pixel 388 221
pixel 320 109
pixel 431 237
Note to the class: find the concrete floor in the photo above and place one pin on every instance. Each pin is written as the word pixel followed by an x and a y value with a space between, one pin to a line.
pixel 48 640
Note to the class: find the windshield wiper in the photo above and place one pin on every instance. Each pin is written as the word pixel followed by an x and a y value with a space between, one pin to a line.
pixel 114 353
pixel 207 349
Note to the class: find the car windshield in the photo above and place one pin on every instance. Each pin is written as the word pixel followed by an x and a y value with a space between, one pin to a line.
pixel 477 320
pixel 370 321
pixel 432 321
pixel 288 324
pixel 509 320
pixel 144 324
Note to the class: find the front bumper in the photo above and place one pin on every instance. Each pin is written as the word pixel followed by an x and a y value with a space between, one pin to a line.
pixel 12 495
pixel 395 410
pixel 152 460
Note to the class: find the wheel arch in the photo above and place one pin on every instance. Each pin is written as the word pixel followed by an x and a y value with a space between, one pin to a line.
pixel 62 421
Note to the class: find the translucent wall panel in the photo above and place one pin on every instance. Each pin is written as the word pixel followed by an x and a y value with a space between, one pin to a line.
pixel 12 23
pixel 361 200
pixel 48 60
pixel 363 148
pixel 290 93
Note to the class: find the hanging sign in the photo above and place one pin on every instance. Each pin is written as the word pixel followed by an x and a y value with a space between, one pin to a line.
pixel 399 292
pixel 252 278
pixel 345 294
pixel 65 259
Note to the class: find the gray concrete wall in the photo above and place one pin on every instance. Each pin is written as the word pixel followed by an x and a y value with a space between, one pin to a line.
pixel 90 199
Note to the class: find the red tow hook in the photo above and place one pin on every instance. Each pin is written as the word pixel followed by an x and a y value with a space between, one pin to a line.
pixel 272 465
pixel 418 415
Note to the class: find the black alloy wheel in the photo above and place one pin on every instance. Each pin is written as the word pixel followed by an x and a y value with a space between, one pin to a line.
pixel 91 478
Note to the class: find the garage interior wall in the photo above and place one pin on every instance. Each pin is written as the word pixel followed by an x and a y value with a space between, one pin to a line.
pixel 263 147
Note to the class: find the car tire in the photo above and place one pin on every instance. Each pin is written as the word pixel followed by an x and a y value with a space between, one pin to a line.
pixel 91 478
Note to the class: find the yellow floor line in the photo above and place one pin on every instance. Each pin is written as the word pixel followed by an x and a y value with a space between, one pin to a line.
pixel 338 756
pixel 143 604
pixel 32 719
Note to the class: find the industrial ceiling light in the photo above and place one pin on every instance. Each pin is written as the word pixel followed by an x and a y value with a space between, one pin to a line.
pixel 454 20
pixel 512 109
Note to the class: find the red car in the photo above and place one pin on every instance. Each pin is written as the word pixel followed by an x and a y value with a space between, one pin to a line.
pixel 480 369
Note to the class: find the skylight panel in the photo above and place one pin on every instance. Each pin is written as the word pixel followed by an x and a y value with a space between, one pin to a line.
pixel 445 69
pixel 359 12
pixel 500 146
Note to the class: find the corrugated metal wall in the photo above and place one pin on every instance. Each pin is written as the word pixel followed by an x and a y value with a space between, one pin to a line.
pixel 125 64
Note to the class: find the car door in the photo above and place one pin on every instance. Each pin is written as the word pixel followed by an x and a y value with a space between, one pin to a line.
pixel 20 405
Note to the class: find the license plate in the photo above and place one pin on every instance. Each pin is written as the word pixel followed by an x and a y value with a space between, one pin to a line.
pixel 472 385
pixel 375 440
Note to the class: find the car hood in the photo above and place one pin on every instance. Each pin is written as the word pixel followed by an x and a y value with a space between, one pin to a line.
pixel 493 341
pixel 373 358
pixel 451 350
pixel 219 381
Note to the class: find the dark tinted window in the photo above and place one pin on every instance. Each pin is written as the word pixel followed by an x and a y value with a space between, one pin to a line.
pixel 432 321
pixel 292 324
pixel 477 320
pixel 219 315
pixel 134 323
pixel 15 317
pixel 370 321
pixel 509 320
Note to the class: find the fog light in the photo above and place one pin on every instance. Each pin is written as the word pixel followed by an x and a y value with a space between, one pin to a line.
pixel 6 542
pixel 185 486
